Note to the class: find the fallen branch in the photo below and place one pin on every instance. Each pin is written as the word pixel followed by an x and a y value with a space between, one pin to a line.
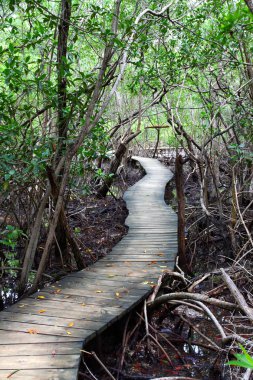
pixel 165 339
pixel 195 297
pixel 162 349
pixel 124 345
pixel 161 279
pixel 214 345
pixel 237 338
pixel 156 288
pixel 216 291
pixel 197 282
pixel 213 318
pixel 240 300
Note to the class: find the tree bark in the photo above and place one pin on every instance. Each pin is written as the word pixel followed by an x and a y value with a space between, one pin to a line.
pixel 121 150
pixel 63 223
pixel 240 300
pixel 181 214
pixel 53 225
pixel 63 31
pixel 249 4
pixel 31 249
pixel 62 123
pixel 157 142
pixel 194 297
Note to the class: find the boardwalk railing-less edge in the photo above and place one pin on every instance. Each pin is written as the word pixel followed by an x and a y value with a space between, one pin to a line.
pixel 42 335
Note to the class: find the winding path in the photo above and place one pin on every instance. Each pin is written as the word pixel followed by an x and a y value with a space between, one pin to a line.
pixel 41 336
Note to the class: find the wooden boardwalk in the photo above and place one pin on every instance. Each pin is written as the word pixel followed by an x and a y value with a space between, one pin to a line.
pixel 41 336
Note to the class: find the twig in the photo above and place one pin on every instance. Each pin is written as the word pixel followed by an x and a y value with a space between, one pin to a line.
pixel 59 249
pixel 213 318
pixel 148 335
pixel 247 374
pixel 156 288
pixel 124 346
pixel 165 339
pixel 12 373
pixel 240 214
pixel 237 338
pixel 146 317
pixel 215 291
pixel 92 353
pixel 214 345
pixel 161 348
pixel 195 283
pixel 146 324
pixel 84 363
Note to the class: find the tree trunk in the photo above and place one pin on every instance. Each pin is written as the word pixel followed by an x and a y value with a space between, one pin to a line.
pixel 64 225
pixel 62 68
pixel 121 150
pixel 181 214
pixel 31 249
pixel 53 225
pixel 157 142
pixel 62 125
pixel 250 5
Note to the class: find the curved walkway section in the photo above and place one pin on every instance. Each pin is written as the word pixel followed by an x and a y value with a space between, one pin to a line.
pixel 41 336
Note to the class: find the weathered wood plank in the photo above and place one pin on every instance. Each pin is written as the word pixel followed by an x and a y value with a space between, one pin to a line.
pixel 39 362
pixel 68 348
pixel 38 329
pixel 48 320
pixel 8 336
pixel 38 374
pixel 66 310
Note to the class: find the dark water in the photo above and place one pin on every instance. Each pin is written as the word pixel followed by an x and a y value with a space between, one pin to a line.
pixel 8 294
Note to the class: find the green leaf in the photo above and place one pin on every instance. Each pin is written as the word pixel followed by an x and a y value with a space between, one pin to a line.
pixel 243 360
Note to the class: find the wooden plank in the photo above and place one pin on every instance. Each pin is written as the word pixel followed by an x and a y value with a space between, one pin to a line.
pixel 65 309
pixel 38 374
pixel 102 301
pixel 37 329
pixel 68 348
pixel 139 259
pixel 8 336
pixel 48 320
pixel 118 278
pixel 99 299
pixel 39 362
pixel 101 282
